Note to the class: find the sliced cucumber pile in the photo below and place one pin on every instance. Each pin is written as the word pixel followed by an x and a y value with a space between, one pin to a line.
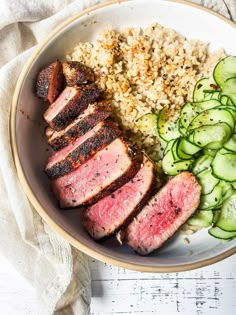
pixel 203 140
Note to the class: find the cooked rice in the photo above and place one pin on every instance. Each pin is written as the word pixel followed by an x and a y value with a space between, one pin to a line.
pixel 142 70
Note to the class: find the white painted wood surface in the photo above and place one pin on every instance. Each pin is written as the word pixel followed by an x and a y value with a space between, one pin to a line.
pixel 206 291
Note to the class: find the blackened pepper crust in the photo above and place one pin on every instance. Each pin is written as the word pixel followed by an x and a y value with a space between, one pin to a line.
pixel 107 133
pixel 75 106
pixel 50 82
pixel 80 127
pixel 77 73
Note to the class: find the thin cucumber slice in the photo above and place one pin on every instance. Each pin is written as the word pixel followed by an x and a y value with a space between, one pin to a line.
pixel 221 234
pixel 209 152
pixel 187 114
pixel 188 147
pixel 207 181
pixel 202 219
pixel 224 165
pixel 230 145
pixel 181 154
pixel 224 100
pixel 167 127
pixel 148 124
pixel 229 89
pixel 174 151
pixel 229 108
pixel 228 193
pixel 209 91
pixel 216 215
pixel 182 129
pixel 204 105
pixel 169 146
pixel 190 138
pixel 201 164
pixel 167 163
pixel 211 137
pixel 226 186
pixel 215 96
pixel 227 218
pixel 207 96
pixel 225 69
pixel 202 85
pixel 171 168
pixel 212 117
pixel 230 103
pixel 212 199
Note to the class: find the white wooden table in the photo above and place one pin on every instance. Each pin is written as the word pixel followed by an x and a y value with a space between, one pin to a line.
pixel 207 291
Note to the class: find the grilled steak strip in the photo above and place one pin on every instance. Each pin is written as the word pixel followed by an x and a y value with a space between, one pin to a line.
pixel 105 172
pixel 111 213
pixel 77 73
pixel 50 82
pixel 164 214
pixel 92 115
pixel 71 103
pixel 75 154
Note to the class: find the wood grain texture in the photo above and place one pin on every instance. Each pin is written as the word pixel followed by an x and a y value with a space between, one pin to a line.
pixel 207 291
pixel 210 290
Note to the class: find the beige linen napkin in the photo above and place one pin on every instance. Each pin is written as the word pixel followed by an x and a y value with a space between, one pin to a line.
pixel 59 273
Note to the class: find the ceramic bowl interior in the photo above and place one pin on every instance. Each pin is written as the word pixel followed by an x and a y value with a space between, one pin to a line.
pixel 31 150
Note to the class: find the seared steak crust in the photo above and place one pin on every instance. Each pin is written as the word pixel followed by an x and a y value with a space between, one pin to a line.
pixel 101 175
pixel 164 214
pixel 50 82
pixel 81 153
pixel 115 211
pixel 72 107
pixel 77 73
pixel 95 113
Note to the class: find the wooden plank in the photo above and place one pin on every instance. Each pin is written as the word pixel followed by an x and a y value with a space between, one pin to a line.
pixel 209 290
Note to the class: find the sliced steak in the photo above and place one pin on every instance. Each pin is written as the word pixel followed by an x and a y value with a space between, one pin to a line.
pixel 71 103
pixel 77 73
pixel 75 154
pixel 50 82
pixel 106 171
pixel 164 214
pixel 111 213
pixel 92 115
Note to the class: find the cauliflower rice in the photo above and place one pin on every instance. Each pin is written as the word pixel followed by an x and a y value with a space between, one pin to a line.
pixel 142 70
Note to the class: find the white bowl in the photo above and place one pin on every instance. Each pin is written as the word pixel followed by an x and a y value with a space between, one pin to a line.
pixel 31 151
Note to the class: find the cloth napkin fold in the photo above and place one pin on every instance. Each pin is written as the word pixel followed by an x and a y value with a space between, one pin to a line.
pixel 59 273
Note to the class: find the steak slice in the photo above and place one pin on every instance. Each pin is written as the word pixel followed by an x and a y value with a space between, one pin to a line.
pixel 71 103
pixel 95 113
pixel 111 213
pixel 50 82
pixel 164 213
pixel 75 154
pixel 77 73
pixel 106 171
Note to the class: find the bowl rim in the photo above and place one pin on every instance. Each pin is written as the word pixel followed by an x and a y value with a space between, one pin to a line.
pixel 33 199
